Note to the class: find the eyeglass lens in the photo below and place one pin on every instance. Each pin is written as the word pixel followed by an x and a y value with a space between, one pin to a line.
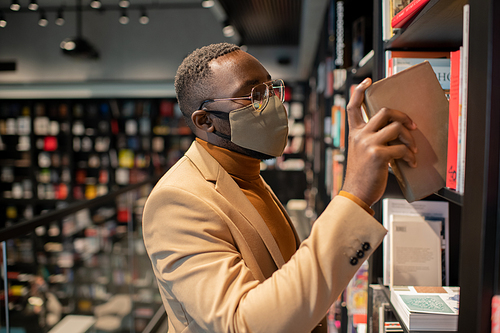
pixel 260 93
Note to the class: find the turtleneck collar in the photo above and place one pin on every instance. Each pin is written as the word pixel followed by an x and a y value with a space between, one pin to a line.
pixel 236 164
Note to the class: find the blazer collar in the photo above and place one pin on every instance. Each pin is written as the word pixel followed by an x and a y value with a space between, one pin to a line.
pixel 227 187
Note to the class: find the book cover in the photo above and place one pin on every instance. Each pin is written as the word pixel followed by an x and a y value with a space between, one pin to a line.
pixel 451 173
pixel 429 210
pixel 403 16
pixel 417 92
pixel 441 67
pixel 416 254
pixel 427 308
pixel 424 55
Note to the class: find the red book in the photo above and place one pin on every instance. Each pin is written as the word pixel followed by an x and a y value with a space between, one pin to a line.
pixel 401 18
pixel 451 169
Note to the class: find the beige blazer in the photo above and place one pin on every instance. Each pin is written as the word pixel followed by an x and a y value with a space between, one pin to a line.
pixel 219 268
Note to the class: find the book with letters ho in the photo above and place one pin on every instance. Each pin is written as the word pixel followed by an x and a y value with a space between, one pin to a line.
pixel 416 91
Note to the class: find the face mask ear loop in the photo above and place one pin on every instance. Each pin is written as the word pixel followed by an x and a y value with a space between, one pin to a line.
pixel 221 115
pixel 222 135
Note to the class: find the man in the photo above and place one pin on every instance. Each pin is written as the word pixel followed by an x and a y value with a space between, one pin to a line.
pixel 224 252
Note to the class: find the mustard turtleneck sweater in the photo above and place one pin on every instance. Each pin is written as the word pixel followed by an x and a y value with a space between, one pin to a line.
pixel 245 171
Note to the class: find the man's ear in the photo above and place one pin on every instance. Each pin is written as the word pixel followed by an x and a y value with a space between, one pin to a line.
pixel 202 121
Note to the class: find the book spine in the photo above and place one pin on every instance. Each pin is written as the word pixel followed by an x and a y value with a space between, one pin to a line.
pixel 388 63
pixel 407 13
pixel 451 174
pixel 463 102
pixel 386 19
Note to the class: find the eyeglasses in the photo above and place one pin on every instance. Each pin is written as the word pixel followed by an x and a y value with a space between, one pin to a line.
pixel 259 96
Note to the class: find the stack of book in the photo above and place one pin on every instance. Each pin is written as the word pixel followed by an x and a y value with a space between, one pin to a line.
pixel 427 308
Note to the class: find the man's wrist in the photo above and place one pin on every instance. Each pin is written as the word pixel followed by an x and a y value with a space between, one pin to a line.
pixel 358 201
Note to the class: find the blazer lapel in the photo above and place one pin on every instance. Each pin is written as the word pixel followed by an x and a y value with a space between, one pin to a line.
pixel 227 187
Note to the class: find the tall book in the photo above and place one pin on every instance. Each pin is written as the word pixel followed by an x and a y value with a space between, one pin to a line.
pixel 407 13
pixel 416 252
pixel 397 209
pixel 451 173
pixel 417 92
pixel 462 117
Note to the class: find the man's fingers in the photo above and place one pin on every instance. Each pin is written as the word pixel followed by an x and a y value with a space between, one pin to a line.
pixel 393 131
pixel 400 151
pixel 386 116
pixel 354 115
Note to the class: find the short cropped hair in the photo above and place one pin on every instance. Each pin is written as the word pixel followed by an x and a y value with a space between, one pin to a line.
pixel 192 81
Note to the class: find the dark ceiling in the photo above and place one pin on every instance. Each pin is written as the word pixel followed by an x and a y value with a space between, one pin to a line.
pixel 265 22
pixel 258 22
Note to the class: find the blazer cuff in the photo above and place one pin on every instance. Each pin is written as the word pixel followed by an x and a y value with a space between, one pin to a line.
pixel 358 201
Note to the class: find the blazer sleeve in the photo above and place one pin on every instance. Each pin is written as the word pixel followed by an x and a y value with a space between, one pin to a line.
pixel 204 280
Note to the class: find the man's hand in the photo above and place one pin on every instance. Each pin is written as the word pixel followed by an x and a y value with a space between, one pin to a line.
pixel 369 154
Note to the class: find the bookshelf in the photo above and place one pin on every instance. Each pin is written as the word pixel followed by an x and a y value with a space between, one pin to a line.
pixel 474 215
pixel 76 144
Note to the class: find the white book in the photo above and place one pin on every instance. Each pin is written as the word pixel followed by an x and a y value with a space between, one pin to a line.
pixel 430 210
pixel 415 251
pixel 427 308
pixel 462 118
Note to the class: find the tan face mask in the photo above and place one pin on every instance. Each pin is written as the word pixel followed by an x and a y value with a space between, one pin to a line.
pixel 265 131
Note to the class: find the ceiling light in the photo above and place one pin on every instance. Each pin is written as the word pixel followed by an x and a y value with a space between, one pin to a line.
pixel 124 18
pixel 207 3
pixel 124 3
pixel 33 5
pixel 43 22
pixel 15 6
pixel 68 44
pixel 228 30
pixel 60 18
pixel 3 22
pixel 79 48
pixel 96 4
pixel 144 19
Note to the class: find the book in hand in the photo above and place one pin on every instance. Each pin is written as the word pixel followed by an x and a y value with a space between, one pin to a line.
pixel 427 308
pixel 410 11
pixel 416 92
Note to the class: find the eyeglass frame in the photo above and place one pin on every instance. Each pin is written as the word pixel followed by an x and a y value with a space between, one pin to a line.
pixel 282 98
